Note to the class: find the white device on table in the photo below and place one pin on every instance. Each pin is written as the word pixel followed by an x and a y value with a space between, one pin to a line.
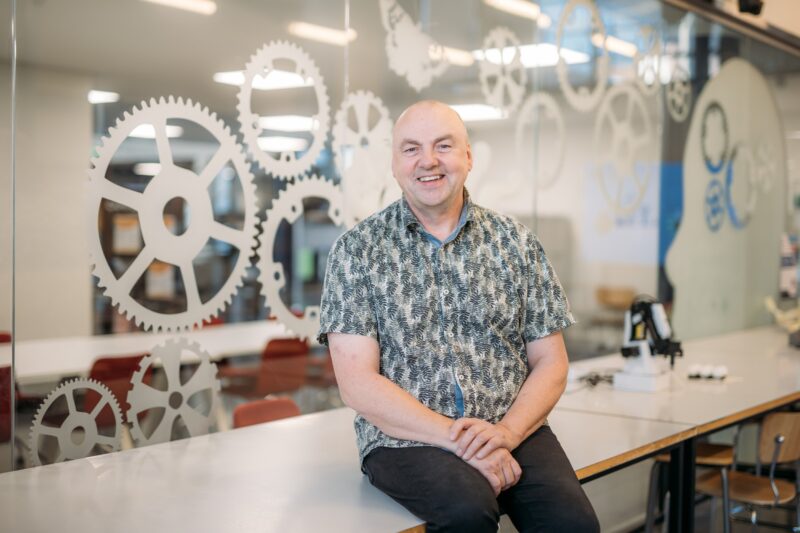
pixel 648 335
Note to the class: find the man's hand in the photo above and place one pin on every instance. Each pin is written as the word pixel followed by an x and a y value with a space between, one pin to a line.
pixel 499 468
pixel 478 438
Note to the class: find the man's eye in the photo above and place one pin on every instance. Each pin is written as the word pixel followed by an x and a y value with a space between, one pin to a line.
pixel 444 147
pixel 410 150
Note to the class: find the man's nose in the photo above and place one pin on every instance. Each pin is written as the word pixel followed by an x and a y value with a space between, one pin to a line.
pixel 428 158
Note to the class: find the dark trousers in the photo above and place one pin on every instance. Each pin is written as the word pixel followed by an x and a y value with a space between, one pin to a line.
pixel 450 495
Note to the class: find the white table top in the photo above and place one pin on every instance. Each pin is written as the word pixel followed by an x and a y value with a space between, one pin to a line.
pixel 49 359
pixel 298 474
pixel 763 371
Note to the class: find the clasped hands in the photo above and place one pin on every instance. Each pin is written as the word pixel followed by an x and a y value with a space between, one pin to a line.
pixel 487 447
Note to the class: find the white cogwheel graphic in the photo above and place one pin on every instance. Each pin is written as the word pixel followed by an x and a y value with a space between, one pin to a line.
pixel 412 53
pixel 582 98
pixel 362 149
pixel 647 64
pixel 288 206
pixel 679 94
pixel 538 109
pixel 503 76
pixel 766 166
pixel 160 243
pixel 623 136
pixel 261 64
pixel 78 435
pixel 193 402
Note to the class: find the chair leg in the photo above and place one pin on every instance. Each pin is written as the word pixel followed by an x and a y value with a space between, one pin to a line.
pixel 726 503
pixel 753 521
pixel 712 515
pixel 652 496
pixel 666 512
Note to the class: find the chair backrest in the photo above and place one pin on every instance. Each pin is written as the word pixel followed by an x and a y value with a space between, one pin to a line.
pixel 265 410
pixel 287 347
pixel 786 424
pixel 5 337
pixel 115 373
pixel 5 403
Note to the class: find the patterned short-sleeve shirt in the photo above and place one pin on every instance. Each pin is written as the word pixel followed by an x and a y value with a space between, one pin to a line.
pixel 451 319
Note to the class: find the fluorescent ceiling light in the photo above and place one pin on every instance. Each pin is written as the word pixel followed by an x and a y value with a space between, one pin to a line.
pixel 147 131
pixel 454 56
pixel 288 123
pixel 275 79
pixel 102 97
pixel 478 112
pixel 204 7
pixel 532 55
pixel 279 144
pixel 615 44
pixel 322 34
pixel 146 169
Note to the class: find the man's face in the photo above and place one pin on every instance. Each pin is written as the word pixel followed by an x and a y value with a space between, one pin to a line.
pixel 431 157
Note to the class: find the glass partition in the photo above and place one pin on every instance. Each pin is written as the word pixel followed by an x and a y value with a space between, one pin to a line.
pixel 181 176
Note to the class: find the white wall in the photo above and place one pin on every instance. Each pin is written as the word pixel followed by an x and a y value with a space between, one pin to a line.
pixel 53 279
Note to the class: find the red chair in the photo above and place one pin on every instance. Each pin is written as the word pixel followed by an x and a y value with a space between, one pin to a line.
pixel 115 373
pixel 283 368
pixel 5 337
pixel 266 410
pixel 5 403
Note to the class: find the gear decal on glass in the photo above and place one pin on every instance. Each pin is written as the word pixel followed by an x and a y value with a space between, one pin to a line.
pixel 502 74
pixel 538 108
pixel 288 206
pixel 362 149
pixel 679 94
pixel 714 137
pixel 78 433
pixel 160 243
pixel 261 65
pixel 412 53
pixel 647 64
pixel 190 402
pixel 582 98
pixel 741 194
pixel 623 136
pixel 714 205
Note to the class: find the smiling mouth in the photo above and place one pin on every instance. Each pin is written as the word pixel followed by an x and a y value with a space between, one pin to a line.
pixel 426 179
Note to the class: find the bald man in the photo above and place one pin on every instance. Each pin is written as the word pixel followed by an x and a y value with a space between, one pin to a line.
pixel 444 324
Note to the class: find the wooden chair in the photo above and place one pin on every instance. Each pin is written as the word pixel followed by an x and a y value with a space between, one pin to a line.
pixel 778 443
pixel 266 410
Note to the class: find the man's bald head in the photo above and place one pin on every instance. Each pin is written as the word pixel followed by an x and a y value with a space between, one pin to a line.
pixel 419 110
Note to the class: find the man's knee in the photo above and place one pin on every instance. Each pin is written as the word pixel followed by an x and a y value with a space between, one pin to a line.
pixel 581 519
pixel 470 513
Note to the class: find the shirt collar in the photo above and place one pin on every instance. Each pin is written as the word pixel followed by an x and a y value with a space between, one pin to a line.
pixel 410 219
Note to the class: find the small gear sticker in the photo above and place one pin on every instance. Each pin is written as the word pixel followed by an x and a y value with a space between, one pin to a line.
pixel 541 113
pixel 714 139
pixel 262 65
pixel 362 148
pixel 502 74
pixel 62 430
pixel 647 64
pixel 288 206
pixel 679 94
pixel 186 405
pixel 162 245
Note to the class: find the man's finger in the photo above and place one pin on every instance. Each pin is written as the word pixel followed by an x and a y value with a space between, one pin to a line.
pixel 476 444
pixel 490 446
pixel 458 426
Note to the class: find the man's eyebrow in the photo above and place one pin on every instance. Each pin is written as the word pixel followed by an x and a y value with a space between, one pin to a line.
pixel 448 137
pixel 409 141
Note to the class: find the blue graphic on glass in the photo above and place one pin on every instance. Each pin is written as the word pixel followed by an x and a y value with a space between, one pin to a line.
pixel 714 204
pixel 739 222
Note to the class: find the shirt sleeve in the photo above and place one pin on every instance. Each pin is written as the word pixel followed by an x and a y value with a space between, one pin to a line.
pixel 546 309
pixel 345 306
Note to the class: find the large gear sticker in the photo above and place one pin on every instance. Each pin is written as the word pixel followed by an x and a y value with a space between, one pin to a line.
pixel 160 243
pixel 362 149
pixel 503 81
pixel 287 164
pixel 647 64
pixel 623 135
pixel 78 435
pixel 582 98
pixel 538 108
pixel 288 206
pixel 714 139
pixel 679 94
pixel 412 53
pixel 193 402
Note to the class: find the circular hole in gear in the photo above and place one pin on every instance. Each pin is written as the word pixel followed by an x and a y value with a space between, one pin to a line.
pixel 175 400
pixel 179 209
pixel 78 435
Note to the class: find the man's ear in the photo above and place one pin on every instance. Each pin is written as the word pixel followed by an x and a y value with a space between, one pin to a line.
pixel 469 156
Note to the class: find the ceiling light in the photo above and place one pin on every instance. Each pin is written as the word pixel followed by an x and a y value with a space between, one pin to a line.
pixel 531 55
pixel 146 169
pixel 275 79
pixel 288 123
pixel 102 97
pixel 147 131
pixel 544 21
pixel 478 112
pixel 204 7
pixel 615 44
pixel 454 56
pixel 322 34
pixel 278 144
pixel 520 8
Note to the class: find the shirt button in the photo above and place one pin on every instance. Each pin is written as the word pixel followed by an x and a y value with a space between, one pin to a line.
pixel 446 292
pixel 450 334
